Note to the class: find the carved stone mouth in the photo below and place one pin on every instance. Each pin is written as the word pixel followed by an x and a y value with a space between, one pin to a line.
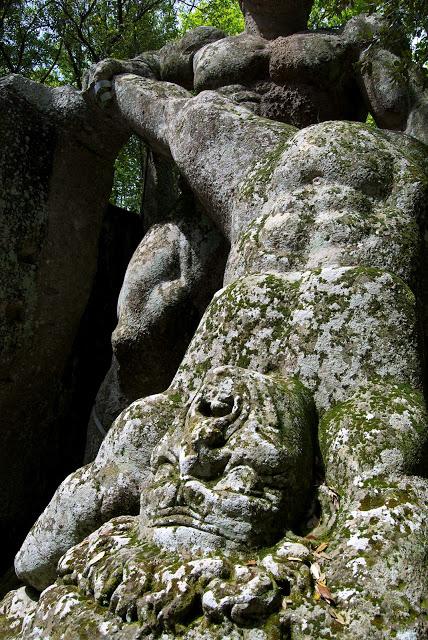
pixel 177 511
pixel 186 517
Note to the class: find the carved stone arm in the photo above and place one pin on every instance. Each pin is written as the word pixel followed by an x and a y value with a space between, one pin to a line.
pixel 173 63
pixel 395 96
pixel 213 153
pixel 100 75
pixel 95 493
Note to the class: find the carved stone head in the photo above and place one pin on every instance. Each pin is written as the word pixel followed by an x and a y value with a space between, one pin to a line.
pixel 239 471
pixel 273 18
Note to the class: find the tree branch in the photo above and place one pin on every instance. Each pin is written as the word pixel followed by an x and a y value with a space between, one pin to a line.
pixel 7 58
pixel 76 69
pixel 51 68
pixel 81 36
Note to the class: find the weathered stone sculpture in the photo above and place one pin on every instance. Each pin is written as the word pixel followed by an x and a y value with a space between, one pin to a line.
pixel 284 72
pixel 297 78
pixel 278 487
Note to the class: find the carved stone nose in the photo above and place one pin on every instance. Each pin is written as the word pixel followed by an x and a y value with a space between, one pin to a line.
pixel 202 451
pixel 203 454
pixel 209 434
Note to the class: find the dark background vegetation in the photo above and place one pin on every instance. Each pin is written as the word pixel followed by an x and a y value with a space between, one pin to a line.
pixel 55 41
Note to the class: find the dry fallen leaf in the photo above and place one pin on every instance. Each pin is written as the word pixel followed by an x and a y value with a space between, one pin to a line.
pixel 322 547
pixel 251 563
pixel 325 593
pixel 294 559
pixel 315 571
pixel 342 619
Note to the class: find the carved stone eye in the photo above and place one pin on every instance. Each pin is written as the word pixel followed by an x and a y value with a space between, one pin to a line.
pixel 216 407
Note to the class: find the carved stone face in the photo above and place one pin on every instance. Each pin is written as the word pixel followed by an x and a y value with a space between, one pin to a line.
pixel 240 469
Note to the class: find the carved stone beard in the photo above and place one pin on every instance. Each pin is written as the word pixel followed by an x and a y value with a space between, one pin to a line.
pixel 273 18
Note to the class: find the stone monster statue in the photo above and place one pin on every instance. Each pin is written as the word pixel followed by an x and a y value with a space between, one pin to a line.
pixel 277 488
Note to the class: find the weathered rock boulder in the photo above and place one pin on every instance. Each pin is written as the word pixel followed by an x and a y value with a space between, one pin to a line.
pixel 56 173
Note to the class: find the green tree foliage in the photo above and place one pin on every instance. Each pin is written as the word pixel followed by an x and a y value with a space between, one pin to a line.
pixel 129 175
pixel 27 45
pixel 97 29
pixel 56 40
pixel 223 14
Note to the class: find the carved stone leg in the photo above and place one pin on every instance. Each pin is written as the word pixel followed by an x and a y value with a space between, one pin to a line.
pixel 170 279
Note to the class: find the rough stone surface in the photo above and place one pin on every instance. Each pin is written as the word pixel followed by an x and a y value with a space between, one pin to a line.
pixel 276 489
pixel 319 57
pixel 176 58
pixel 53 144
pixel 270 18
pixel 229 60
pixel 313 73
pixel 341 195
pixel 334 328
